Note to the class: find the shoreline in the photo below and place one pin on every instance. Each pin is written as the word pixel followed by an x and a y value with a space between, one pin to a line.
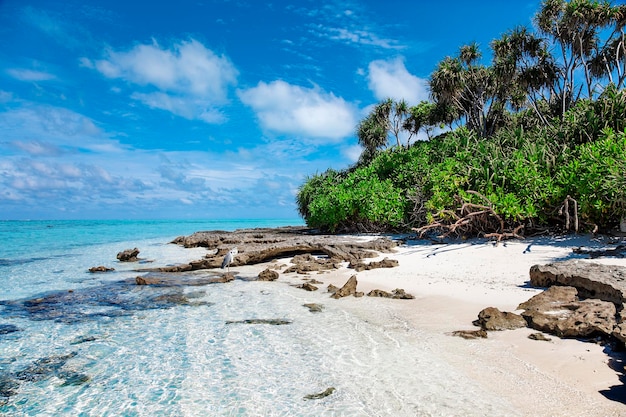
pixel 453 282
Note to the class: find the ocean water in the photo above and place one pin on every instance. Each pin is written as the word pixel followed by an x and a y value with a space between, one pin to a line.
pixel 74 343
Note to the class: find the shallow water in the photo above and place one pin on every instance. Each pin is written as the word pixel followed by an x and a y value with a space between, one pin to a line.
pixel 121 353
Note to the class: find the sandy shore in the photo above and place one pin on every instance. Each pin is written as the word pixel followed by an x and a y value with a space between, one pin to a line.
pixel 454 281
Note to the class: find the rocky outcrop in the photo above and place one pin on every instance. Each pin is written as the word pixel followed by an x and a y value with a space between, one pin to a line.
pixel 491 318
pixel 128 255
pixel 362 266
pixel 263 245
pixel 592 280
pixel 583 300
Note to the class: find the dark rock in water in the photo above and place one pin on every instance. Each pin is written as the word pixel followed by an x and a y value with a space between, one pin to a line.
pixel 314 308
pixel 128 255
pixel 275 322
pixel 73 378
pixel 491 318
pixel 8 387
pixel 100 268
pixel 43 368
pixel 268 275
pixel 470 334
pixel 82 339
pixel 332 288
pixel 108 300
pixel 8 328
pixel 325 393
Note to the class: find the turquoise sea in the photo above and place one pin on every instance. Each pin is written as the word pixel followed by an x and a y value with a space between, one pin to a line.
pixel 73 343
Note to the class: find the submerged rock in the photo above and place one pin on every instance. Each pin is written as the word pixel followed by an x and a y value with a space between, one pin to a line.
pixel 109 300
pixel 8 328
pixel 73 378
pixel 325 393
pixel 314 308
pixel 83 339
pixel 43 368
pixel 275 322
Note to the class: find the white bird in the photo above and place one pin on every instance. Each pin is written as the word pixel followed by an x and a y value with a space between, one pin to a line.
pixel 230 256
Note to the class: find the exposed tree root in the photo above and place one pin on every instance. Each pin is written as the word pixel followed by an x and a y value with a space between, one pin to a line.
pixel 471 220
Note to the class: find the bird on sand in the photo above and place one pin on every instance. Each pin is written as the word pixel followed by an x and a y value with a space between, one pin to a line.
pixel 228 259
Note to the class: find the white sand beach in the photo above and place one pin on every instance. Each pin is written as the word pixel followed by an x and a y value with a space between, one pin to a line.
pixel 453 282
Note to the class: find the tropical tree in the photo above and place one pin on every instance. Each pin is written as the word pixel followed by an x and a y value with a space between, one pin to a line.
pixel 472 90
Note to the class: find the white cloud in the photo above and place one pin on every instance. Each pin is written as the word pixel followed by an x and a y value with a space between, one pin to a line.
pixel 391 79
pixel 23 74
pixel 291 109
pixel 190 79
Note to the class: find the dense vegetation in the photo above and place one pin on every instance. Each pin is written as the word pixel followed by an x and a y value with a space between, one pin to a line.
pixel 536 139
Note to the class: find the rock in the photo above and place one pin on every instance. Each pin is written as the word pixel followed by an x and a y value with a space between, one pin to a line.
pixel 325 393
pixel 385 263
pixel 44 367
pixel 100 268
pixel 275 322
pixel 73 378
pixel 592 280
pixel 168 280
pixel 8 328
pixel 539 336
pixel 349 288
pixel 128 255
pixel 619 332
pixel 314 308
pixel 263 245
pixel 332 288
pixel 82 339
pixel 553 295
pixel 308 286
pixel 268 275
pixel 8 387
pixel 305 263
pixel 398 293
pixel 573 319
pixel 470 334
pixel 491 318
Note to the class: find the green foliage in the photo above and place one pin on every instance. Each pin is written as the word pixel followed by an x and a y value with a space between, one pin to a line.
pixel 531 134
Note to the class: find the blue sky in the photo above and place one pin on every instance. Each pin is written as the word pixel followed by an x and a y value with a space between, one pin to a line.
pixel 207 108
